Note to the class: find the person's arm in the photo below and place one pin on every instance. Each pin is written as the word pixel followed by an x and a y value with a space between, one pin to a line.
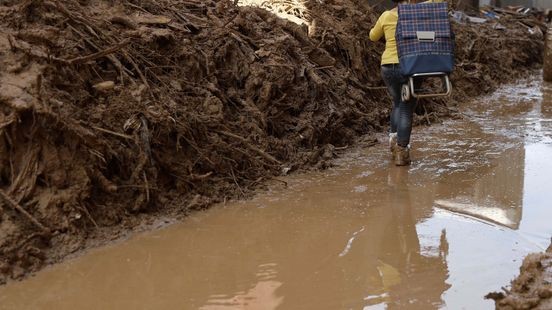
pixel 377 31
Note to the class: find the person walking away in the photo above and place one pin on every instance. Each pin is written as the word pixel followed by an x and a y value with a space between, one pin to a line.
pixel 402 111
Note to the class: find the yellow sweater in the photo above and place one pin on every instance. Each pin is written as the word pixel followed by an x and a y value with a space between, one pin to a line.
pixel 385 26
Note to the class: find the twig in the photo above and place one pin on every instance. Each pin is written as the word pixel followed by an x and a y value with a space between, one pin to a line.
pixel 194 177
pixel 198 150
pixel 85 210
pixel 17 207
pixel 112 58
pixel 107 51
pixel 135 66
pixel 145 136
pixel 235 181
pixel 29 238
pixel 426 116
pixel 281 181
pixel 113 133
pixel 146 184
pixel 137 186
pixel 125 21
pixel 137 7
pixel 251 147
pixel 359 85
pixel 6 121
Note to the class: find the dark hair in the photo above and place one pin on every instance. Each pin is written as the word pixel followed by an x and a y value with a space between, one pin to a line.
pixel 396 1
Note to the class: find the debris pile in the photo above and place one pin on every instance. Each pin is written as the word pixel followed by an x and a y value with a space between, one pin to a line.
pixel 292 10
pixel 532 289
pixel 110 110
pixel 478 46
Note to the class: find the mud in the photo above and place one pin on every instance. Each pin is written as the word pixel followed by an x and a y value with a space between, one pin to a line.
pixel 116 113
pixel 363 234
pixel 532 289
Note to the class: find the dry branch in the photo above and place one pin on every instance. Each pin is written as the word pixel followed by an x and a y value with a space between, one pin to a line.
pixel 14 205
pixel 107 51
pixel 251 147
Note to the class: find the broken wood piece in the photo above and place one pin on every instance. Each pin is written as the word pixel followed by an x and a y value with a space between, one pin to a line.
pixel 146 185
pixel 178 27
pixel 315 78
pixel 357 84
pixel 194 20
pixel 124 21
pixel 105 184
pixel 113 133
pixel 146 137
pixel 99 54
pixel 87 213
pixel 195 177
pixel 12 203
pixel 152 19
pixel 135 66
pixel 251 147
pixel 104 86
pixel 191 26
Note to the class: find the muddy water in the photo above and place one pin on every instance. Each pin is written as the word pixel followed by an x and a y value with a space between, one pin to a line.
pixel 363 235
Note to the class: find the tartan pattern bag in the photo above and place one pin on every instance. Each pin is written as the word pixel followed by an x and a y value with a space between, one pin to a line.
pixel 423 56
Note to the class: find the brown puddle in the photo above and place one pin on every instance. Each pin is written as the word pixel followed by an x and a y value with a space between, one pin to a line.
pixel 363 235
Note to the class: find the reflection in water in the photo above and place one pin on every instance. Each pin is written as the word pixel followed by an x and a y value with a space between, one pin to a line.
pixel 545 119
pixel 358 236
pixel 328 255
pixel 495 197
pixel 402 274
pixel 261 296
pixel 546 103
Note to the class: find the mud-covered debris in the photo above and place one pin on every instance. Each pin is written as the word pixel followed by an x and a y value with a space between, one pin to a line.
pixel 532 289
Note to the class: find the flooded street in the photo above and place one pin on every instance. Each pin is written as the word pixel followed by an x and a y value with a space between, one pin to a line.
pixel 363 235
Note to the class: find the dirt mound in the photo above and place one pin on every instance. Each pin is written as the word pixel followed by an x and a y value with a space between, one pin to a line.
pixel 532 289
pixel 110 110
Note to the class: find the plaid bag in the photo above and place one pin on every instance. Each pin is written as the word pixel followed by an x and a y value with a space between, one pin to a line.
pixel 424 38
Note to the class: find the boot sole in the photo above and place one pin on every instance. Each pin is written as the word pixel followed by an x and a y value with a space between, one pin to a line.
pixel 402 163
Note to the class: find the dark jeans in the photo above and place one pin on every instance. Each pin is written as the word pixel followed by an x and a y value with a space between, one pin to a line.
pixel 401 114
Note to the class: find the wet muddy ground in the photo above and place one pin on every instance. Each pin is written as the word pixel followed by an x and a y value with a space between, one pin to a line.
pixel 195 103
pixel 364 234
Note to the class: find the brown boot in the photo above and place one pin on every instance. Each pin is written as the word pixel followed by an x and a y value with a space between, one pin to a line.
pixel 401 155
